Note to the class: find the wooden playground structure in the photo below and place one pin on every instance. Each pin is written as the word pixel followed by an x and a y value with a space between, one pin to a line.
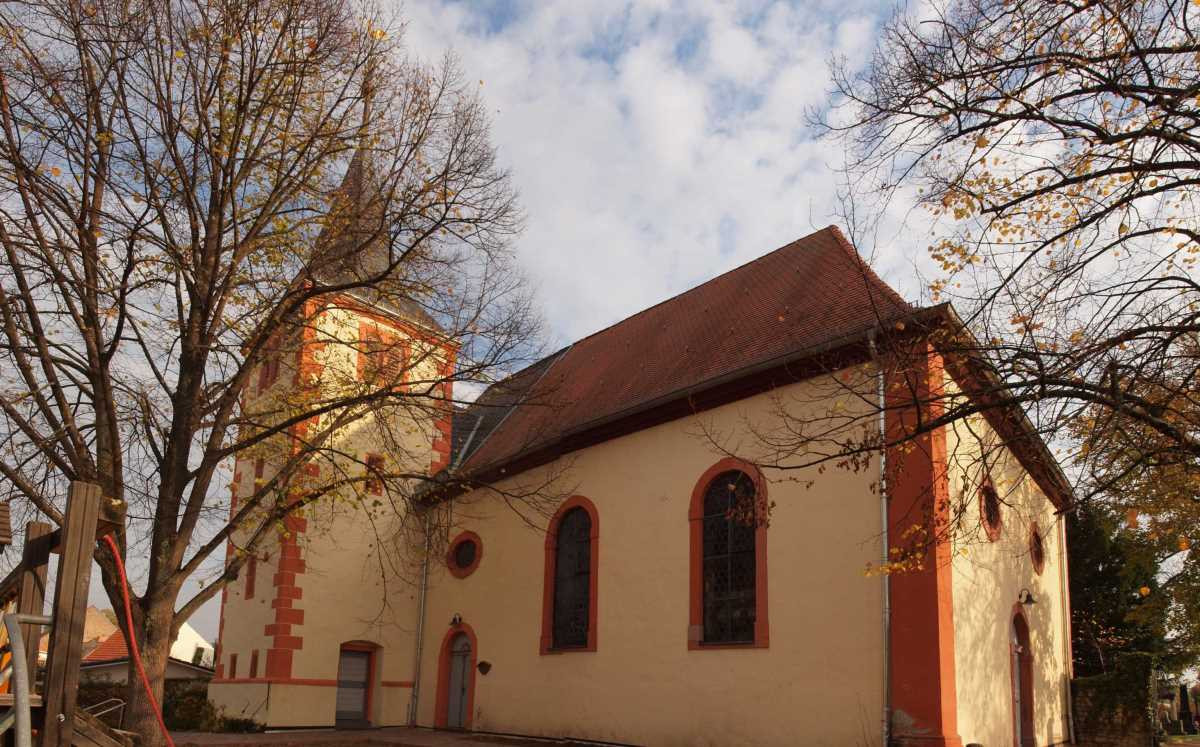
pixel 41 711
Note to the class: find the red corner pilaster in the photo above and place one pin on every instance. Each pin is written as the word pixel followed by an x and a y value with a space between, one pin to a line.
pixel 287 592
pixel 924 697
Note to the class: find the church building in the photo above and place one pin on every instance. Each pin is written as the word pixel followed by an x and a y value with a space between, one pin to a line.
pixel 623 549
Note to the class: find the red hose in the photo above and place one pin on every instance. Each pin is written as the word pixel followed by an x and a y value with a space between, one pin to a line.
pixel 133 647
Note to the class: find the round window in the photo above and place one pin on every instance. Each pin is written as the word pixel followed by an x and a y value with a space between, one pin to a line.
pixel 464 554
pixel 989 510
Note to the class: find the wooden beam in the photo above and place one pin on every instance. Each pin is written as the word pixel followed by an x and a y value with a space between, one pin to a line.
pixel 69 612
pixel 31 596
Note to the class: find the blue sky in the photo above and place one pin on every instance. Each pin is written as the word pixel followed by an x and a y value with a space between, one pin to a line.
pixel 655 144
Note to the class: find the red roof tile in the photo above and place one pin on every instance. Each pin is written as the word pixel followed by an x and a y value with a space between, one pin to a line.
pixel 809 293
pixel 110 649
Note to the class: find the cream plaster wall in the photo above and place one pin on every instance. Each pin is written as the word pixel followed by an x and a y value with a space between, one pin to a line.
pixel 345 596
pixel 987 577
pixel 819 682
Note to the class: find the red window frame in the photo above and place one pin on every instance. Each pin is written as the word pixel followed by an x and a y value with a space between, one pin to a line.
pixel 1037 548
pixel 254 664
pixel 546 642
pixel 233 666
pixel 461 571
pixel 762 628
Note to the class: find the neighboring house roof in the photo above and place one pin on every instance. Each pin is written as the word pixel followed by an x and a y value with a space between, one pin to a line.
pixel 803 296
pixel 112 650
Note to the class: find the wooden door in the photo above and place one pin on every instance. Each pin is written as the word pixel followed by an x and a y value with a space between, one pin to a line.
pixel 457 695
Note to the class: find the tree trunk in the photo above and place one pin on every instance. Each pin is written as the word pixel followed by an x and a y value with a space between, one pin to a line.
pixel 154 642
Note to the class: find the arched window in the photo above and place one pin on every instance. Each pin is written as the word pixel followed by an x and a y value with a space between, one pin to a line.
pixel 569 601
pixel 728 568
pixel 1037 549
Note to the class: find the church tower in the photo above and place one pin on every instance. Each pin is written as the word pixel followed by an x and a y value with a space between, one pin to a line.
pixel 318 604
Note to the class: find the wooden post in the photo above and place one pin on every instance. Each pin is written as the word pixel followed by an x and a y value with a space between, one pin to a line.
pixel 31 596
pixel 70 610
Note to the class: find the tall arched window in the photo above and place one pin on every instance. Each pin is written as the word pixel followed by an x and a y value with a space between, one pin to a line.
pixel 728 564
pixel 569 603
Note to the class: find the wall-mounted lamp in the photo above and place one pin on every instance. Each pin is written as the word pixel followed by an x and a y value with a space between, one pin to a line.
pixel 484 667
pixel 456 620
pixel 1025 597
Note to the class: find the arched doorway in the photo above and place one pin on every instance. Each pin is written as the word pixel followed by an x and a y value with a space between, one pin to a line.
pixel 355 684
pixel 1022 681
pixel 456 678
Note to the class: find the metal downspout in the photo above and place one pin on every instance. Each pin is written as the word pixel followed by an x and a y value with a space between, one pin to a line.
pixel 883 545
pixel 416 688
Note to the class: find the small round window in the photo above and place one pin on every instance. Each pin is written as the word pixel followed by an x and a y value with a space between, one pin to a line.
pixel 464 554
pixel 1037 549
pixel 989 510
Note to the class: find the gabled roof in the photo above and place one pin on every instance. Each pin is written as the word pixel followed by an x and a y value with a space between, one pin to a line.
pixel 110 649
pixel 800 297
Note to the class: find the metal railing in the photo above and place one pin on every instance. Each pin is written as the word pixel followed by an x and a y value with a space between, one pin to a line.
pixel 106 706
pixel 20 683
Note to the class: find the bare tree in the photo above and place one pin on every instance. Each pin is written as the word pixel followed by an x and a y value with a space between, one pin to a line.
pixel 1056 149
pixel 184 187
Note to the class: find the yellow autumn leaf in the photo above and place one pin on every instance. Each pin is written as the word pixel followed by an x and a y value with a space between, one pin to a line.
pixel 1144 591
pixel 179 54
pixel 981 142
pixel 1184 543
pixel 1123 229
pixel 56 171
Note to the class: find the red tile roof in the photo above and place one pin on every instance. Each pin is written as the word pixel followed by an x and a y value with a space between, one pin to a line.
pixel 110 649
pixel 800 297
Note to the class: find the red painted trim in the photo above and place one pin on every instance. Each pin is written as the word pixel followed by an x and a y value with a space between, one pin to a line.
pixel 546 642
pixel 922 673
pixel 762 628
pixel 456 571
pixel 274 681
pixel 254 664
pixel 1026 684
pixel 290 567
pixel 442 705
pixel 371 650
pixel 396 683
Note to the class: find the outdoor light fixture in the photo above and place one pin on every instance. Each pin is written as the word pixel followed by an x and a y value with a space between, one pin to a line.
pixel 456 620
pixel 1025 596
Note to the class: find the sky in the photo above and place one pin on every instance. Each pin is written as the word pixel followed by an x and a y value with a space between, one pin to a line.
pixel 655 144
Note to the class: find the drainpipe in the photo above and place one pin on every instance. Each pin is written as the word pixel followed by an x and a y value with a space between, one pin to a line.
pixel 416 687
pixel 883 548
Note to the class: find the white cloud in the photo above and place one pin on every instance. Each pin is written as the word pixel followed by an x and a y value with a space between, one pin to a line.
pixel 658 144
